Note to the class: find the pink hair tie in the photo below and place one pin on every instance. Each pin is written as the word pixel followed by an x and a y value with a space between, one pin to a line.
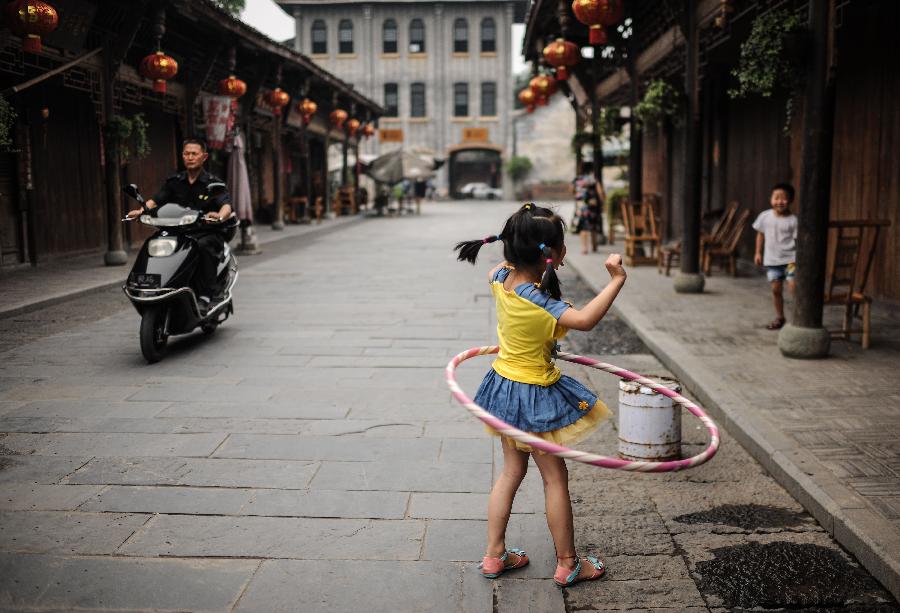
pixel 549 260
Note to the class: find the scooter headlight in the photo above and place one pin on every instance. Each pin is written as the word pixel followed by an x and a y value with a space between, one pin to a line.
pixel 188 219
pixel 161 247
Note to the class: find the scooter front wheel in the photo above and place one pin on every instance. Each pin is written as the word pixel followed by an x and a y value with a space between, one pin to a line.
pixel 153 334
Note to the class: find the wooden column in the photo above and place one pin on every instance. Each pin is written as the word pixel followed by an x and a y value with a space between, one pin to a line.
pixel 636 136
pixel 689 280
pixel 115 248
pixel 113 53
pixel 805 337
pixel 278 222
pixel 278 192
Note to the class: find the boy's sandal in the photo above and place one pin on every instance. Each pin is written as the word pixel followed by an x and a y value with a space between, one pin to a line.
pixel 565 578
pixel 491 568
pixel 775 324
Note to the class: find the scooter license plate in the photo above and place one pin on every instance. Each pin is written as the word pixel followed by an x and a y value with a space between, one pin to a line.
pixel 146 281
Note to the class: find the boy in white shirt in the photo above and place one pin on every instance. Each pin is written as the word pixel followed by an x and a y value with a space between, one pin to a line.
pixel 777 231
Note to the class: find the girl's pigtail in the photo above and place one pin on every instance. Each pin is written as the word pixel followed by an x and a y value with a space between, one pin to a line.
pixel 468 250
pixel 549 280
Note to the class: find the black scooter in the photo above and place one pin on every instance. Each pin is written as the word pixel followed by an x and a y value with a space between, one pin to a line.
pixel 161 283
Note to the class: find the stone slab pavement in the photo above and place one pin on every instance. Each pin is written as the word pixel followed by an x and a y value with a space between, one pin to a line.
pixel 828 430
pixel 308 457
pixel 26 288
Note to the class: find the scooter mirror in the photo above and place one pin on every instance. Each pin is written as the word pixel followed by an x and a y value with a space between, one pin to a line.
pixel 216 189
pixel 132 190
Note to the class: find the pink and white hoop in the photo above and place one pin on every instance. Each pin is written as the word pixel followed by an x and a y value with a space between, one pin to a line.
pixel 581 456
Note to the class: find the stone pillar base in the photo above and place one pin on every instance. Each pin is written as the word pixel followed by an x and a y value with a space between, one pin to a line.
pixel 689 283
pixel 804 343
pixel 249 246
pixel 278 225
pixel 115 258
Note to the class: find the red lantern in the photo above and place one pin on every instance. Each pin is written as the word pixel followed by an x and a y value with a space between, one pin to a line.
pixel 159 67
pixel 527 96
pixel 232 87
pixel 543 86
pixel 31 19
pixel 338 117
pixel 307 108
pixel 352 127
pixel 596 14
pixel 368 130
pixel 277 98
pixel 561 54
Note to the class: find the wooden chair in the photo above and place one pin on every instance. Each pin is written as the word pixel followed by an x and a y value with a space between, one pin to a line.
pixel 640 229
pixel 345 201
pixel 848 271
pixel 296 209
pixel 672 251
pixel 319 208
pixel 727 249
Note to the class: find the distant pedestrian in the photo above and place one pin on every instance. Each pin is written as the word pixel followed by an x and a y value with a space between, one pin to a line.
pixel 525 389
pixel 776 230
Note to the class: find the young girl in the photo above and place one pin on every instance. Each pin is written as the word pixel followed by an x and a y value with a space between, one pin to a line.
pixel 524 387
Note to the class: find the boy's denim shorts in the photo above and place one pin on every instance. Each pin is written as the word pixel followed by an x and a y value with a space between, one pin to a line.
pixel 781 273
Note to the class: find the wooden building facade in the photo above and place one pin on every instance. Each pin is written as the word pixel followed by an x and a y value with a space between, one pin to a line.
pixel 57 176
pixel 745 146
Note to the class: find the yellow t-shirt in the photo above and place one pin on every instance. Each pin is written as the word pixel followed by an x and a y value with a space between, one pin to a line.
pixel 528 329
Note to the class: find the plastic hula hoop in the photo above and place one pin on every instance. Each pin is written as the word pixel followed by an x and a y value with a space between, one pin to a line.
pixel 581 456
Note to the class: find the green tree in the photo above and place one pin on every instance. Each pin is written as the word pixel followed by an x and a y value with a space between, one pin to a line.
pixel 232 6
pixel 518 167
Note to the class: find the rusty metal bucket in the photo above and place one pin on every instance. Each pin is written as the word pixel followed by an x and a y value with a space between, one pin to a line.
pixel 649 423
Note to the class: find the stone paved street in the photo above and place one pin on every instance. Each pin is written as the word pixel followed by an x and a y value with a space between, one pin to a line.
pixel 307 457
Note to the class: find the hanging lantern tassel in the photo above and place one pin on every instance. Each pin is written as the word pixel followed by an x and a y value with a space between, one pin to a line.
pixel 31 19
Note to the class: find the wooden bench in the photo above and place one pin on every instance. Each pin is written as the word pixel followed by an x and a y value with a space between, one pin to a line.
pixel 640 230
pixel 848 271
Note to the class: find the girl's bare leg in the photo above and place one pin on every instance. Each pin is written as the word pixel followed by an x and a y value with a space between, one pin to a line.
pixel 515 464
pixel 559 509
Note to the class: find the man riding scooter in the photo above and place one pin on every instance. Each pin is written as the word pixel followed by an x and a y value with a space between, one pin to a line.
pixel 190 189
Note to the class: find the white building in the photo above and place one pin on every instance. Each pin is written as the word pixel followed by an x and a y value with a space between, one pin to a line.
pixel 443 71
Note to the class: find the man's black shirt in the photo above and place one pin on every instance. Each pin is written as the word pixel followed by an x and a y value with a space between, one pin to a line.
pixel 194 195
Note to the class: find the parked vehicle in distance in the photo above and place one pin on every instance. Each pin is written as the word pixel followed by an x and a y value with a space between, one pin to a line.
pixel 481 191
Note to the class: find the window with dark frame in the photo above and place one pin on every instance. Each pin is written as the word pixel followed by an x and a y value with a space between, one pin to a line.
pixel 319 37
pixel 391 100
pixel 488 99
pixel 460 36
pixel 417 100
pixel 417 36
pixel 488 35
pixel 345 37
pixel 460 99
pixel 389 37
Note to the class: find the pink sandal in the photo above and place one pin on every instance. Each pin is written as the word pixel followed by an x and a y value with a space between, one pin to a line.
pixel 491 568
pixel 567 578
